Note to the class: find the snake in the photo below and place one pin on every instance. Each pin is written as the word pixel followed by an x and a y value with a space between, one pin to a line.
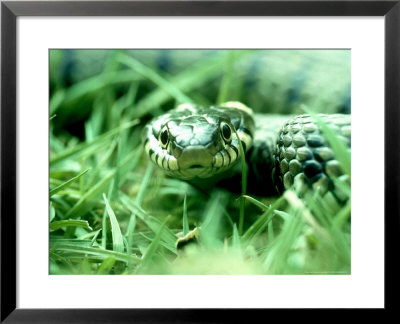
pixel 193 142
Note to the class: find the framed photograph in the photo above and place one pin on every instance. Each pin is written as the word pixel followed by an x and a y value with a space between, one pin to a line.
pixel 163 158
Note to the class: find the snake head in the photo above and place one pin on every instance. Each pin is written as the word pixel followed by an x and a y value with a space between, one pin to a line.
pixel 190 142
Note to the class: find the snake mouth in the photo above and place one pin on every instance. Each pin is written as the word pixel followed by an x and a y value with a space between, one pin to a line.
pixel 195 161
pixel 195 157
pixel 196 166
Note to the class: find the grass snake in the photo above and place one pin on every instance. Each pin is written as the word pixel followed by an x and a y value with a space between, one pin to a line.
pixel 199 144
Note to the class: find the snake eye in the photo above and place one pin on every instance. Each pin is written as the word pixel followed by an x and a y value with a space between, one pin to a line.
pixel 226 131
pixel 164 137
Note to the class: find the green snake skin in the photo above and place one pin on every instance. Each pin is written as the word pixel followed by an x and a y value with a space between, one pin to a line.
pixel 282 151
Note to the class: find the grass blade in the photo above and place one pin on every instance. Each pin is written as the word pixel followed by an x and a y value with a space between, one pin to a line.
pixel 139 199
pixel 152 248
pixel 118 241
pixel 83 147
pixel 88 200
pixel 54 226
pixel 341 151
pixel 185 220
pixel 191 78
pixel 256 202
pixel 265 218
pixel 153 223
pixel 223 94
pixel 211 224
pixel 67 183
pixel 150 74
pixel 244 182
pixel 99 253
pixel 235 238
pixel 91 85
pixel 343 215
pixel 106 266
pixel 52 212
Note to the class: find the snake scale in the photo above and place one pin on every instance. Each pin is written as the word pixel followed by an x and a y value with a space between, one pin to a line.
pixel 191 142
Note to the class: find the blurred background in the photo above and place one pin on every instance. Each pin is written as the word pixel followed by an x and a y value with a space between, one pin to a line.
pixel 122 81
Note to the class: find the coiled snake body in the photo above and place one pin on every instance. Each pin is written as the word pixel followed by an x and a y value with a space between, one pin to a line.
pixel 192 142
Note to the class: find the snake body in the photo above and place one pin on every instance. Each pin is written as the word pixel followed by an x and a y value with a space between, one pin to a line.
pixel 191 142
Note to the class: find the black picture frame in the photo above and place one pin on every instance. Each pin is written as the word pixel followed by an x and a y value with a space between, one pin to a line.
pixel 10 10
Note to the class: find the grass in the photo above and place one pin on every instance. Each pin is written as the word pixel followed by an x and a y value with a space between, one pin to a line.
pixel 112 212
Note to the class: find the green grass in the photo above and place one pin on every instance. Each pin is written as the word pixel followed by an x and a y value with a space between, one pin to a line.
pixel 112 212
